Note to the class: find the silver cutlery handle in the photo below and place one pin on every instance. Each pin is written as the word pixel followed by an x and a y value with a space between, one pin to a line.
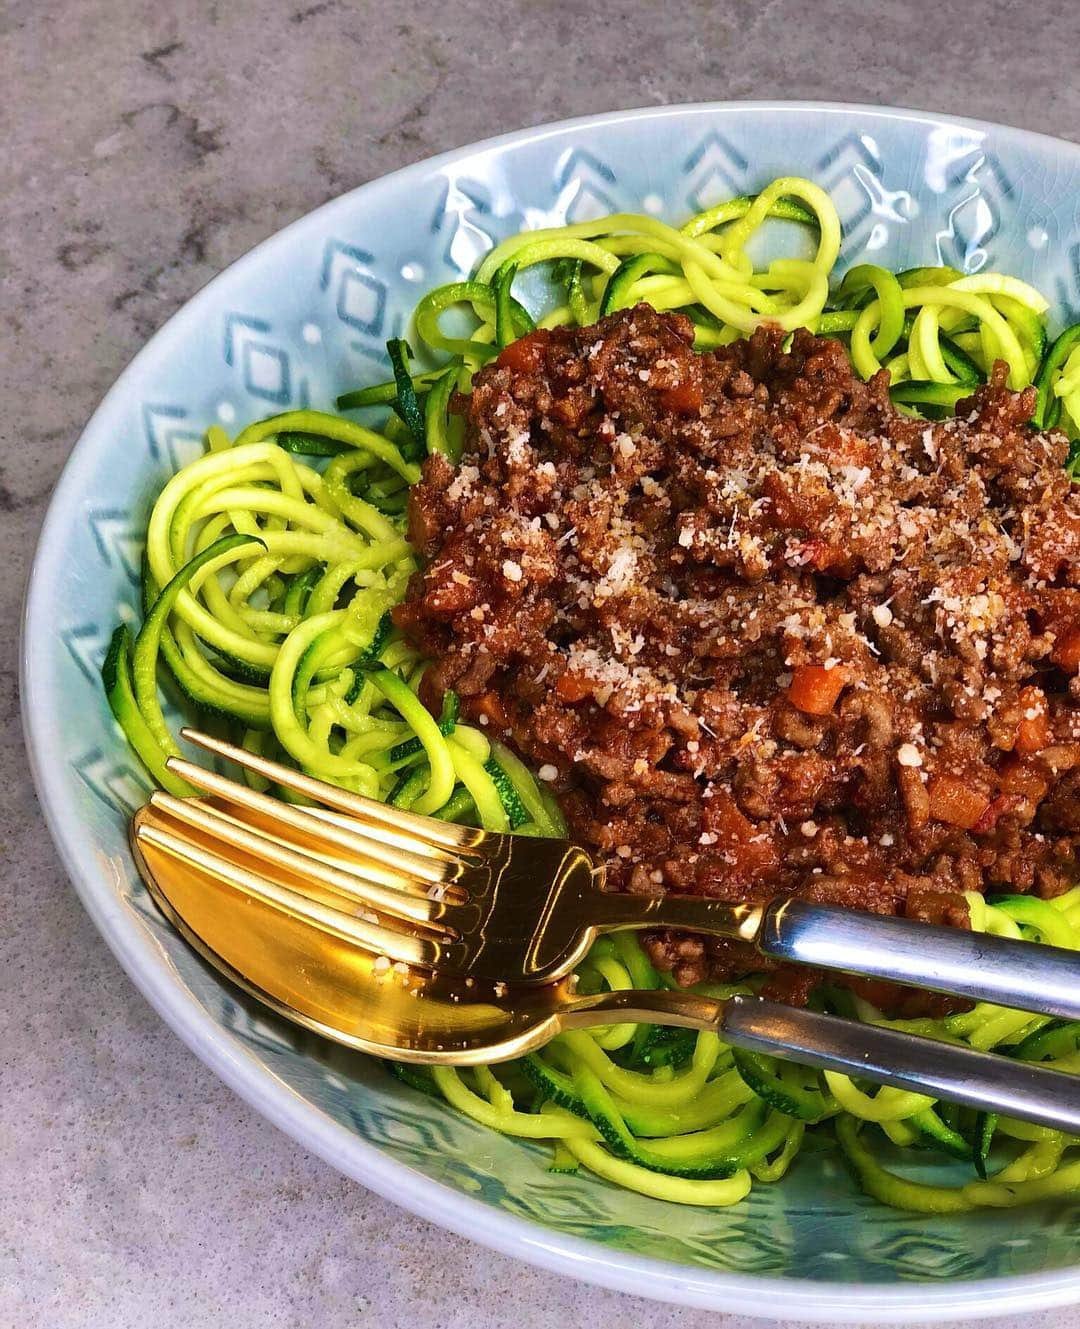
pixel 886 1056
pixel 1039 978
pixel 942 1070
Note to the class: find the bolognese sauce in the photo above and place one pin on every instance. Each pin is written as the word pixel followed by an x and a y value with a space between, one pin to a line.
pixel 761 631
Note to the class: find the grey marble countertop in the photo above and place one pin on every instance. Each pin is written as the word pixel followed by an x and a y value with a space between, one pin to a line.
pixel 147 146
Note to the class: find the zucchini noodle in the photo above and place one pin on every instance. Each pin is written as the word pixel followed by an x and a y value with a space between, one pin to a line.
pixel 267 591
pixel 679 1116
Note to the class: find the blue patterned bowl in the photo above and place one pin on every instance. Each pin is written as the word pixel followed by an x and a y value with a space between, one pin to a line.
pixel 306 315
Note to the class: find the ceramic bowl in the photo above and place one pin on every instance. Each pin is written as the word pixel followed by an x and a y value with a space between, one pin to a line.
pixel 303 317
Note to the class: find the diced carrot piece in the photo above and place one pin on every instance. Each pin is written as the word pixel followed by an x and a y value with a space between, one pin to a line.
pixel 1033 731
pixel 489 704
pixel 841 447
pixel 1066 652
pixel 832 559
pixel 852 449
pixel 748 852
pixel 525 354
pixel 955 802
pixel 815 689
pixel 784 508
pixel 684 398
pixel 572 687
pixel 1020 777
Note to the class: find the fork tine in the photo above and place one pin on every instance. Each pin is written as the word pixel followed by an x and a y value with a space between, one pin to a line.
pixel 413 905
pixel 445 834
pixel 379 853
pixel 312 841
pixel 450 891
pixel 370 937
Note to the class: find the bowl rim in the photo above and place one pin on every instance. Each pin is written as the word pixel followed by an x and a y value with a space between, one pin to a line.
pixel 430 1199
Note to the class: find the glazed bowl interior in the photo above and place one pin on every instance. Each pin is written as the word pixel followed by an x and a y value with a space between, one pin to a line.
pixel 305 316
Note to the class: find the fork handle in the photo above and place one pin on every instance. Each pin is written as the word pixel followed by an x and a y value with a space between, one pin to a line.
pixel 941 1070
pixel 1044 979
pixel 1040 978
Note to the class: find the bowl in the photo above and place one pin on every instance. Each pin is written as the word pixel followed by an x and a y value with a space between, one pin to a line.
pixel 306 315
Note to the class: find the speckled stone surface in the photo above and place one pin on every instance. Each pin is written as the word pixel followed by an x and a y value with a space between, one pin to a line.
pixel 146 146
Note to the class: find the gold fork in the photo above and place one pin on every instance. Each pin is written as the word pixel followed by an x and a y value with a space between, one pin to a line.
pixel 386 931
pixel 520 909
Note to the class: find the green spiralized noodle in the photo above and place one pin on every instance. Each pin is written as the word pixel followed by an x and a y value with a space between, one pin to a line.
pixel 1066 388
pixel 639 1088
pixel 886 1105
pixel 706 271
pixel 676 1190
pixel 771 1172
pixel 473 741
pixel 817 200
pixel 441 758
pixel 298 655
pixel 283 575
pixel 616 978
pixel 1004 341
pixel 507 1121
pixel 336 428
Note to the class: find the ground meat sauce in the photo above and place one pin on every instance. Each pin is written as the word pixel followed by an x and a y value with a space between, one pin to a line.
pixel 761 632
